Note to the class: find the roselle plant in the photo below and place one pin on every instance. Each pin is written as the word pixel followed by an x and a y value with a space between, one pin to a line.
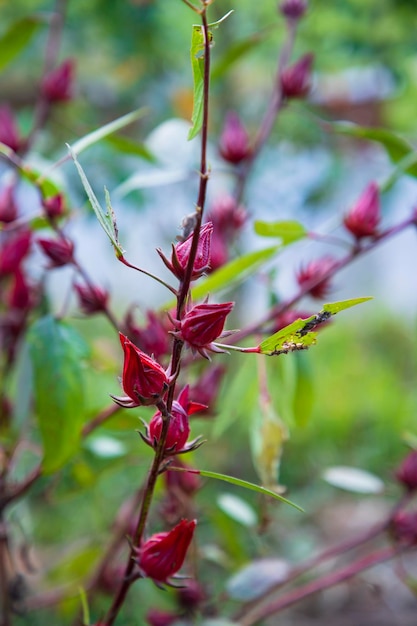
pixel 170 366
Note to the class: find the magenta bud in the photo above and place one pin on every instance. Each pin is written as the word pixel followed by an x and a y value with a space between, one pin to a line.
pixel 57 85
pixel 59 251
pixel 404 528
pixel 293 9
pixel 313 272
pixel 54 206
pixel 186 482
pixel 92 299
pixel 181 254
pixel 163 554
pixel 144 381
pixel 407 472
pixel 9 133
pixel 153 338
pixel 227 216
pixel 203 324
pixel 14 251
pixel 234 140
pixel 296 79
pixel 155 617
pixel 364 217
pixel 20 295
pixel 8 207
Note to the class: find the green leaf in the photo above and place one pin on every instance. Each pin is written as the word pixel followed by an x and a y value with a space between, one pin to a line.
pixel 288 231
pixel 46 186
pixel 396 147
pixel 197 65
pixel 128 146
pixel 236 51
pixel 106 218
pixel 300 334
pixel 16 38
pixel 240 483
pixel 303 399
pixel 57 352
pixel 104 131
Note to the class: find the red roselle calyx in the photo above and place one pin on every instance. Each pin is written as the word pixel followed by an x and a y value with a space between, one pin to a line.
pixel 407 472
pixel 181 254
pixel 313 272
pixel 163 554
pixel 59 251
pixel 364 217
pixel 178 428
pixel 144 381
pixel 202 325
pixel 57 86
pixel 234 140
pixel 404 528
pixel 14 251
pixel 92 299
pixel 8 206
pixel 293 9
pixel 296 79
pixel 54 206
pixel 9 134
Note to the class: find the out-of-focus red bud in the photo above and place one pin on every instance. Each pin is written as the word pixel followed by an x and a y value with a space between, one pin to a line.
pixel 364 217
pixel 227 216
pixel 8 206
pixel 92 299
pixel 54 206
pixel 191 595
pixel 186 482
pixel 219 251
pixel 234 140
pixel 14 251
pixel 313 272
pixel 181 254
pixel 152 338
pixel 20 294
pixel 404 527
pixel 9 133
pixel 296 79
pixel 57 85
pixel 407 472
pixel 207 387
pixel 59 251
pixel 163 554
pixel 203 324
pixel 144 381
pixel 154 617
pixel 293 9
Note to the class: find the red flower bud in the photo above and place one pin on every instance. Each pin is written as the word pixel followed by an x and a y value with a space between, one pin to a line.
pixel 59 251
pixel 293 9
pixel 57 86
pixel 144 381
pixel 20 295
pixel 182 482
pixel 163 554
pixel 227 216
pixel 9 134
pixel 313 273
pixel 404 527
pixel 181 254
pixel 207 387
pixel 8 207
pixel 364 217
pixel 191 595
pixel 92 299
pixel 296 79
pixel 203 324
pixel 178 428
pixel 234 140
pixel 154 617
pixel 407 472
pixel 219 251
pixel 14 251
pixel 152 338
pixel 54 206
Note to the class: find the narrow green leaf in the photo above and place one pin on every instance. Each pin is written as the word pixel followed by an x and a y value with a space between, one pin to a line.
pixel 300 334
pixel 57 352
pixel 241 483
pixel 46 186
pixel 106 218
pixel 104 131
pixel 128 146
pixel 17 37
pixel 396 147
pixel 288 231
pixel 84 606
pixel 197 65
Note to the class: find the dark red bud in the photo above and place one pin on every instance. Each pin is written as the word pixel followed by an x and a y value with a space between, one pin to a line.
pixel 293 9
pixel 92 299
pixel 9 134
pixel 186 482
pixel 204 323
pixel 364 217
pixel 54 206
pixel 296 79
pixel 404 527
pixel 178 429
pixel 234 140
pixel 57 86
pixel 153 338
pixel 181 253
pixel 154 617
pixel 20 295
pixel 313 272
pixel 227 216
pixel 14 251
pixel 407 472
pixel 8 207
pixel 191 595
pixel 59 251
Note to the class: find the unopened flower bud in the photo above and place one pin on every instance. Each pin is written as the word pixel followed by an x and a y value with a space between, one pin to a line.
pixel 203 324
pixel 8 207
pixel 191 595
pixel 293 9
pixel 14 251
pixel 316 273
pixel 227 216
pixel 296 79
pixel 154 617
pixel 144 381
pixel 153 338
pixel 20 294
pixel 404 528
pixel 234 140
pixel 163 554
pixel 407 472
pixel 57 86
pixel 9 133
pixel 181 254
pixel 184 482
pixel 54 206
pixel 59 251
pixel 92 299
pixel 364 217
